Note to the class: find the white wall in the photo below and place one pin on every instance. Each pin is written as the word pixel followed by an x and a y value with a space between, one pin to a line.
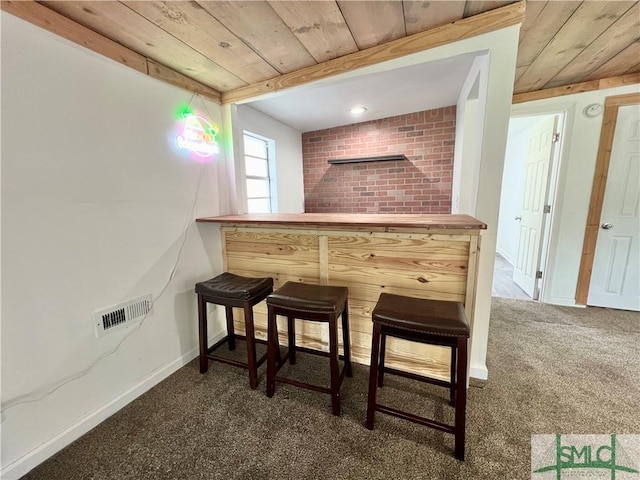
pixel 495 72
pixel 94 205
pixel 580 142
pixel 288 155
pixel 470 110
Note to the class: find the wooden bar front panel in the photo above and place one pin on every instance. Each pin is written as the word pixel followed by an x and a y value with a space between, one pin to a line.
pixel 422 264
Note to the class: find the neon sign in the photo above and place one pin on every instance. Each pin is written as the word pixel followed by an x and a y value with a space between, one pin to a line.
pixel 197 135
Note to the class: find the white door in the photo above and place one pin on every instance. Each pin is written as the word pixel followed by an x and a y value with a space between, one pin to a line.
pixel 616 266
pixel 536 188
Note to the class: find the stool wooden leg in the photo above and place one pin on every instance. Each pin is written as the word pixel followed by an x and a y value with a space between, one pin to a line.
pixel 251 345
pixel 461 397
pixel 383 349
pixel 278 355
pixel 202 330
pixel 373 373
pixel 231 340
pixel 272 351
pixel 333 360
pixel 291 332
pixel 346 347
pixel 452 388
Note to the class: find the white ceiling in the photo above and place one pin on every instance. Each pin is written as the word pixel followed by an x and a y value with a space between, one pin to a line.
pixel 385 94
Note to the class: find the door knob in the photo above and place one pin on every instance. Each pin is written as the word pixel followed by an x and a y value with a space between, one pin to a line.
pixel 607 226
pixel 518 218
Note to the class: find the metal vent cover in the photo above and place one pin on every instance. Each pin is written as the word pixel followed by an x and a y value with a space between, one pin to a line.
pixel 123 315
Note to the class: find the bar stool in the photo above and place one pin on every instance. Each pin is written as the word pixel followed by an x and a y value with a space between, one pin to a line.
pixel 433 322
pixel 316 303
pixel 232 291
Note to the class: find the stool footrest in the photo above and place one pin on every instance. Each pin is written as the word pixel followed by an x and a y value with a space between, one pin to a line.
pixel 210 355
pixel 236 363
pixel 320 353
pixel 228 361
pixel 420 378
pixel 443 427
pixel 308 386
pixel 297 383
pixel 224 340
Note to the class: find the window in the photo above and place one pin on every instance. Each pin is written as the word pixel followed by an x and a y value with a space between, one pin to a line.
pixel 260 192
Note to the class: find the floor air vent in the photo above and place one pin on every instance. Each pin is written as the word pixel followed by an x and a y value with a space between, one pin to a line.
pixel 124 315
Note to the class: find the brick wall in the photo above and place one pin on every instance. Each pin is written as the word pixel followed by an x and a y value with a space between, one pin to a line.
pixel 420 185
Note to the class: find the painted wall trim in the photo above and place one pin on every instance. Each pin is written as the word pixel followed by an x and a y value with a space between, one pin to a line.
pixel 607 133
pixel 459 30
pixel 479 372
pixel 32 459
pixel 628 79
pixel 505 255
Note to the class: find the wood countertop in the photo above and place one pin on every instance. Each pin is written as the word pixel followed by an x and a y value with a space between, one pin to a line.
pixel 436 222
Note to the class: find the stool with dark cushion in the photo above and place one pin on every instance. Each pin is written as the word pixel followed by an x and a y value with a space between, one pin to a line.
pixel 317 303
pixel 433 322
pixel 232 291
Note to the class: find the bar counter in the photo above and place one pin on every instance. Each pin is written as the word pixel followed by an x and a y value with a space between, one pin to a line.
pixel 427 256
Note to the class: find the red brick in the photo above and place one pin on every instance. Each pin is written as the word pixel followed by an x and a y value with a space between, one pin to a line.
pixel 379 187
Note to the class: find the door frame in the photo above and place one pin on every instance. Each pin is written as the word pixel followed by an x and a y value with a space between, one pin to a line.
pixel 555 168
pixel 610 117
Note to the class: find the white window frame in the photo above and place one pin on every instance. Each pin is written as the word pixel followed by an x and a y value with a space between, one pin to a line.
pixel 271 178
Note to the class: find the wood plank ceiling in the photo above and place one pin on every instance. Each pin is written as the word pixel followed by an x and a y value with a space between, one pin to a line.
pixel 231 44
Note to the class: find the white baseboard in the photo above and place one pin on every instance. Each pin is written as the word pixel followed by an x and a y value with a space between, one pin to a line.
pixel 504 255
pixel 479 371
pixel 35 457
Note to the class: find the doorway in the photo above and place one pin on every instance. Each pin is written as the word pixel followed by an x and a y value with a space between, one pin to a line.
pixel 528 187
pixel 610 266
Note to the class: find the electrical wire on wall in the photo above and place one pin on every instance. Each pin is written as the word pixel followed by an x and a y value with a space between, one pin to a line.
pixel 44 392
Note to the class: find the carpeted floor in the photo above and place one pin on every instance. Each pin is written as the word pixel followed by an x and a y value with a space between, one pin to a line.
pixel 551 370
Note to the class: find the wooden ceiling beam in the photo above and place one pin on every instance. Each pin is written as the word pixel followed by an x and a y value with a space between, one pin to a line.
pixel 476 7
pixel 168 75
pixel 47 19
pixel 611 82
pixel 453 32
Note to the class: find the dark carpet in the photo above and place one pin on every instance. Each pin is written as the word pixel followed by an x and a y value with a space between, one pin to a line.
pixel 551 370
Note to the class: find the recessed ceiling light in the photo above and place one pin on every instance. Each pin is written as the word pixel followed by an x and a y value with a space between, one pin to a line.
pixel 359 110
